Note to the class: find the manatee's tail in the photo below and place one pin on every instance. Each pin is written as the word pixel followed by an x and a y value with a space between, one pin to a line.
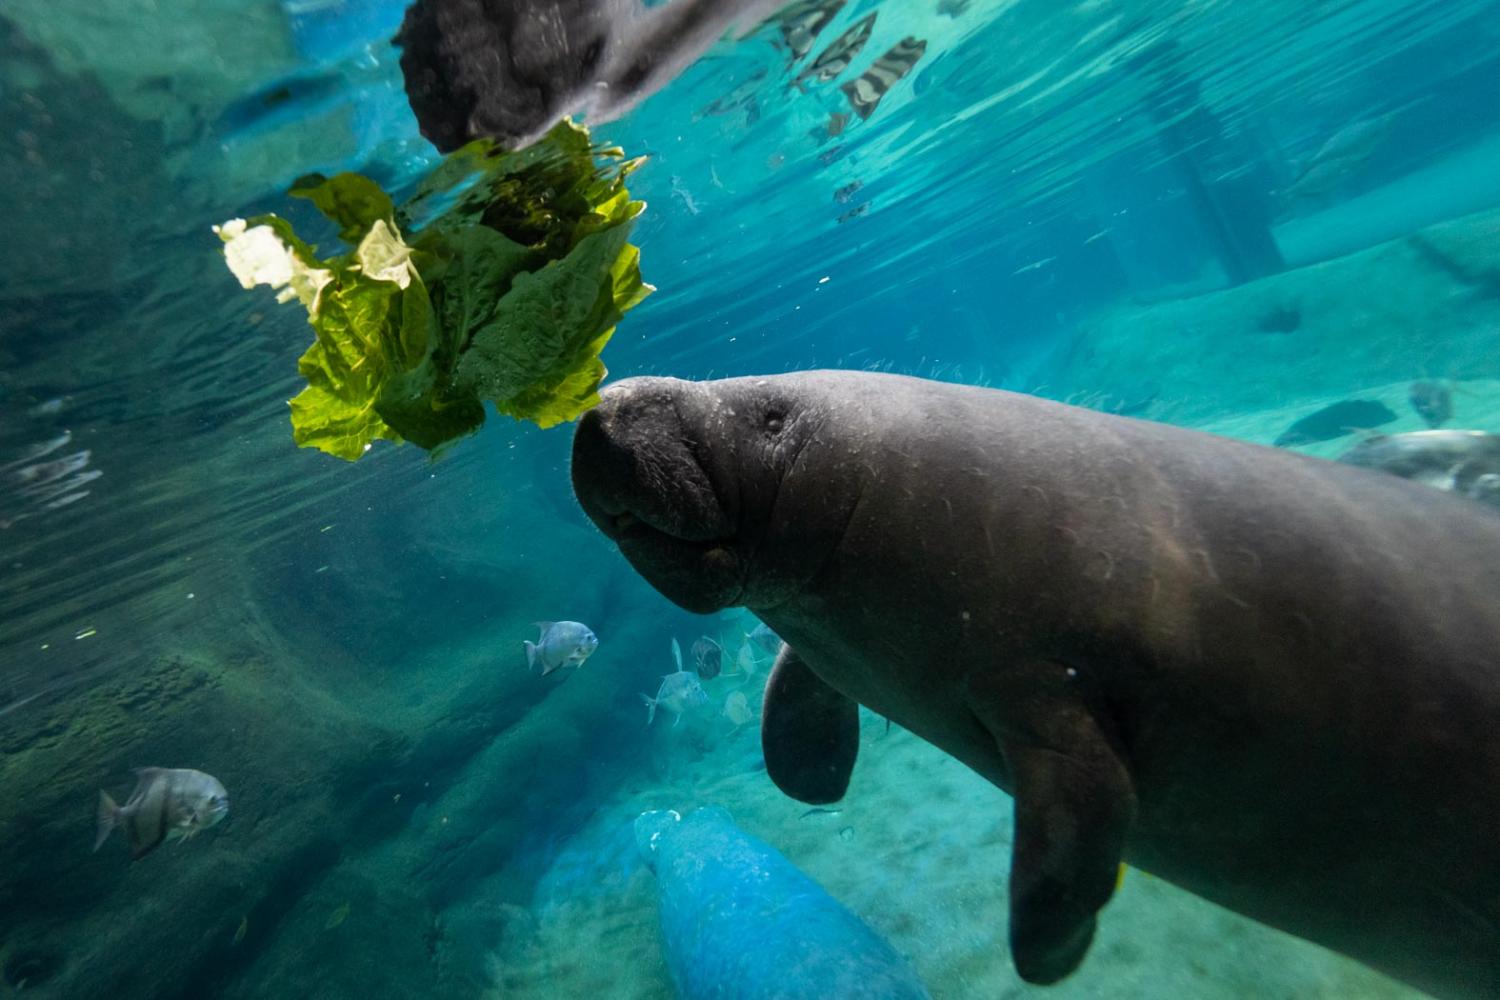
pixel 650 708
pixel 530 655
pixel 109 818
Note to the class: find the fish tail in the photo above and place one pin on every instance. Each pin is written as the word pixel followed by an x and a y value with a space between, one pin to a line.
pixel 530 654
pixel 650 708
pixel 109 817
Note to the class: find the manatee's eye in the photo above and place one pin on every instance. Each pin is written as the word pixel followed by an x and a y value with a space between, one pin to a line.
pixel 775 419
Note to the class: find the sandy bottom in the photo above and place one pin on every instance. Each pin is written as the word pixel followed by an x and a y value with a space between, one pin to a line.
pixel 920 850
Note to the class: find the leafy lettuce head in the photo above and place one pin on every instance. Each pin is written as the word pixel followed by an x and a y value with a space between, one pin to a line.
pixel 513 272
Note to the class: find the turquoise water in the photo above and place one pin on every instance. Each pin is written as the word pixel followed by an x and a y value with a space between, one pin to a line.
pixel 1224 215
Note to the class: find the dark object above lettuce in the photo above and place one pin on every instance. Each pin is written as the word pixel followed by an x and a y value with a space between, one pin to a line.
pixel 501 279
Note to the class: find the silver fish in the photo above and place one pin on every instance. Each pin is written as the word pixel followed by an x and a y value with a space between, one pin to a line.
pixel 678 693
pixel 764 639
pixel 561 644
pixel 167 804
pixel 737 708
pixel 49 472
pixel 709 657
pixel 39 450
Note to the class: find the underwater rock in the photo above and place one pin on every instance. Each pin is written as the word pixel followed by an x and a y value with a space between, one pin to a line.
pixel 878 570
pixel 1366 319
pixel 1462 462
pixel 740 921
pixel 1335 421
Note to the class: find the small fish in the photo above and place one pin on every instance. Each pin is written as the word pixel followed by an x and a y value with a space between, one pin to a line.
pixel 40 450
pixel 678 693
pixel 337 917
pixel 843 194
pixel 737 708
pixel 764 639
pixel 1097 237
pixel 1036 265
pixel 853 213
pixel 801 22
pixel 836 58
pixel 167 804
pixel 561 644
pixel 1432 401
pixel 709 657
pixel 1335 421
pixel 292 100
pixel 71 498
pixel 820 811
pixel 50 408
pixel 684 194
pixel 50 491
pixel 742 98
pixel 867 91
pixel 241 931
pixel 744 663
pixel 43 473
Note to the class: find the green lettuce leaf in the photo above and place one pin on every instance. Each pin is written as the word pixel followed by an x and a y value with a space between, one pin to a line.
pixel 514 272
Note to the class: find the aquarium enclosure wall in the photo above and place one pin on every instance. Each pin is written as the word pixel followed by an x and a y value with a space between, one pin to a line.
pixel 1055 552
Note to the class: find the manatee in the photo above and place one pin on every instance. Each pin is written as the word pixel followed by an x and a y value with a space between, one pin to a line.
pixel 1271 680
pixel 740 921
pixel 1462 462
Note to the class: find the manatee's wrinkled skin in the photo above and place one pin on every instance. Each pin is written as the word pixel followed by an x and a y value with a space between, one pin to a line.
pixel 740 921
pixel 1269 679
pixel 508 70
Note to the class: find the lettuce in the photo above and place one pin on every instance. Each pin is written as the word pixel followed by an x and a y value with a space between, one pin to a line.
pixel 501 279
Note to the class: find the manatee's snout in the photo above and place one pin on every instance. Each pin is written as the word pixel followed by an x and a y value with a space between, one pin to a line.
pixel 639 476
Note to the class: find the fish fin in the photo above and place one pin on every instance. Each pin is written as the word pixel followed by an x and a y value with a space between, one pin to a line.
pixel 108 817
pixel 531 657
pixel 1074 803
pixel 809 732
pixel 650 708
pixel 677 652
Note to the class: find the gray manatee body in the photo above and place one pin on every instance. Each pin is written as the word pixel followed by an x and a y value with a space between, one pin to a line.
pixel 1271 680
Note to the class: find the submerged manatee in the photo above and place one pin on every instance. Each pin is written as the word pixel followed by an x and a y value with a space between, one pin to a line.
pixel 1462 462
pixel 741 922
pixel 1269 679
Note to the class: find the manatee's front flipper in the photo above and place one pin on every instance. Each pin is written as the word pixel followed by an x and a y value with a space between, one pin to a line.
pixel 808 732
pixel 1074 803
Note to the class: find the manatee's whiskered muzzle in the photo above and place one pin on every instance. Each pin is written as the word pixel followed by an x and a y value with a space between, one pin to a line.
pixel 633 470
pixel 639 477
